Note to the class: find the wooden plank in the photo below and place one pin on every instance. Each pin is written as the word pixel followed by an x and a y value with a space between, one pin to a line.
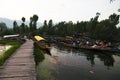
pixel 21 65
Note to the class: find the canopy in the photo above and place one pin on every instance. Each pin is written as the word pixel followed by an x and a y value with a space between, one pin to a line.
pixel 69 37
pixel 38 38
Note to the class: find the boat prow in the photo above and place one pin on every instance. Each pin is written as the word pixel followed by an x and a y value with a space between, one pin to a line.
pixel 42 43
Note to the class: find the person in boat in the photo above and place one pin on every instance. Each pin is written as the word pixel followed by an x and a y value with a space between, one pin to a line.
pixel 94 46
pixel 74 44
pixel 77 43
pixel 103 46
pixel 87 42
pixel 109 44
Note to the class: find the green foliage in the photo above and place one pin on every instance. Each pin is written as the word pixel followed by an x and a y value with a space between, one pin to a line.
pixel 33 25
pixel 24 29
pixel 38 54
pixel 50 28
pixel 23 19
pixel 44 29
pixel 16 27
pixel 3 28
pixel 105 29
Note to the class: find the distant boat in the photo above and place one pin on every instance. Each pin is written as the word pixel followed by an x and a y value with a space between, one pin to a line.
pixel 42 43
pixel 14 37
pixel 90 48
pixel 10 36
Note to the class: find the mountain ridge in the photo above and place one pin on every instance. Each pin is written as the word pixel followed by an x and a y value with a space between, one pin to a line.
pixel 9 22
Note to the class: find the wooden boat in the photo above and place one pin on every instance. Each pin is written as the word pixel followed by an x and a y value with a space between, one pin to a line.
pixel 90 48
pixel 42 43
pixel 101 49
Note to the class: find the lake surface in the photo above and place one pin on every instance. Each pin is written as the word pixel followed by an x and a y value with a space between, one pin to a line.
pixel 73 64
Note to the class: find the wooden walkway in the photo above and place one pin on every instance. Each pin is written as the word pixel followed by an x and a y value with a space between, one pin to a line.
pixel 21 65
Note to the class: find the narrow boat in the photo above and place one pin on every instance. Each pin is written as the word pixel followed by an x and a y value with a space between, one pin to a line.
pixel 42 43
pixel 91 48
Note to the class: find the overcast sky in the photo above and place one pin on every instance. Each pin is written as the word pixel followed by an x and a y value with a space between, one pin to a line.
pixel 58 10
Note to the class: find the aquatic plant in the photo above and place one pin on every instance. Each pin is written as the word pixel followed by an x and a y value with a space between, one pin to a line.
pixel 38 54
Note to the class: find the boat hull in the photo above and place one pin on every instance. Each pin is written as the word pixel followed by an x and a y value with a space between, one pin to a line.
pixel 89 48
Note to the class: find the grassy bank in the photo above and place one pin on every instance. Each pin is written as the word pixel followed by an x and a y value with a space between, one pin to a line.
pixel 8 53
pixel 38 54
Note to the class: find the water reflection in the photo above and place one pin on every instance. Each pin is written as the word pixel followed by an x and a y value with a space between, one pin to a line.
pixel 90 57
pixel 46 69
pixel 106 58
pixel 73 64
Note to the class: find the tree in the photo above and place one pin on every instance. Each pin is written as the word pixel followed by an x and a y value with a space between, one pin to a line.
pixel 22 26
pixel 35 19
pixel 45 28
pixel 92 25
pixel 106 29
pixel 97 14
pixel 118 10
pixel 33 24
pixel 69 28
pixel 111 1
pixel 50 27
pixel 23 19
pixel 60 28
pixel 118 36
pixel 2 26
pixel 30 24
pixel 15 27
pixel 114 19
pixel 4 30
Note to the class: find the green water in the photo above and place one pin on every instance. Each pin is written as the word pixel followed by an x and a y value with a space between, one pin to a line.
pixel 71 64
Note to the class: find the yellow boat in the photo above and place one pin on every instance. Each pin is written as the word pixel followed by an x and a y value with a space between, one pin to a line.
pixel 42 43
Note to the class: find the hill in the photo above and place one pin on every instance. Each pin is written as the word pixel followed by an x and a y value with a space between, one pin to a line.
pixel 9 22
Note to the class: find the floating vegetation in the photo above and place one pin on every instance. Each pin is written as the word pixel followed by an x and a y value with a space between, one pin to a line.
pixel 38 54
pixel 46 70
